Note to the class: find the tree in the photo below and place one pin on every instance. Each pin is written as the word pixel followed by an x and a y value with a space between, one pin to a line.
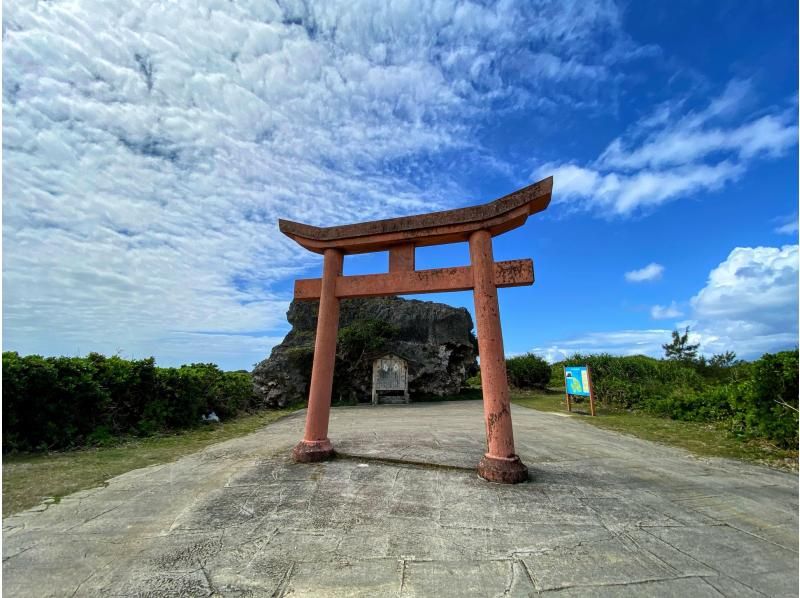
pixel 680 349
pixel 528 371
pixel 722 360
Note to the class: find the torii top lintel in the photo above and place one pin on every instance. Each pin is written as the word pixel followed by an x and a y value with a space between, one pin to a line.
pixel 434 228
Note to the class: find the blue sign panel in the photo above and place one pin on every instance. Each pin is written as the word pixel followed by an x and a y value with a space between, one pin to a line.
pixel 577 380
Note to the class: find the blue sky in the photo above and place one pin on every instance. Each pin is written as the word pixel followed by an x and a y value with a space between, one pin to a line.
pixel 150 149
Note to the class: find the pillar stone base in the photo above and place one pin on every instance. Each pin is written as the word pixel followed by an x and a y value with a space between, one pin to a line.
pixel 503 471
pixel 308 451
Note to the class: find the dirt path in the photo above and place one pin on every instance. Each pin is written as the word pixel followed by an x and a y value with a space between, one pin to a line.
pixel 603 511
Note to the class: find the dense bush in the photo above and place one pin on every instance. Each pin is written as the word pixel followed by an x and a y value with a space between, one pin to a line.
pixel 474 381
pixel 765 404
pixel 710 404
pixel 528 371
pixel 630 381
pixel 757 399
pixel 63 402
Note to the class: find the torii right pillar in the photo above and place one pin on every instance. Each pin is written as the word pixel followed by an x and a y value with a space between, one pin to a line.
pixel 500 463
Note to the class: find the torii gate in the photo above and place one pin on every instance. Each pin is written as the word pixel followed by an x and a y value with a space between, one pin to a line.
pixel 400 236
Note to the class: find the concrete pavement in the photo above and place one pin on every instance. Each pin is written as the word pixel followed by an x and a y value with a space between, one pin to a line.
pixel 403 513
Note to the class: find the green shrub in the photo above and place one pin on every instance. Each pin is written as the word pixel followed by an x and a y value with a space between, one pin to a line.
pixel 474 381
pixel 234 394
pixel 364 338
pixel 13 391
pixel 631 381
pixel 64 402
pixel 80 403
pixel 28 400
pixel 710 404
pixel 528 371
pixel 197 392
pixel 100 436
pixel 131 384
pixel 557 374
pixel 52 402
pixel 357 346
pixel 758 399
pixel 765 404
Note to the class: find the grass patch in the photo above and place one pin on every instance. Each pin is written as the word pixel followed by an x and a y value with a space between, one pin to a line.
pixel 28 479
pixel 705 439
pixel 544 400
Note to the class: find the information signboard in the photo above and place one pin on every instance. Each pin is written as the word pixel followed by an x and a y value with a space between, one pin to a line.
pixel 577 380
pixel 578 383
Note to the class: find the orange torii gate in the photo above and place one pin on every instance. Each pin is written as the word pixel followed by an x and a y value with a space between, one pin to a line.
pixel 400 236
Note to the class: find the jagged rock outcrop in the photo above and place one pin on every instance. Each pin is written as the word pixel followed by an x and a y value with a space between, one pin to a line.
pixel 434 338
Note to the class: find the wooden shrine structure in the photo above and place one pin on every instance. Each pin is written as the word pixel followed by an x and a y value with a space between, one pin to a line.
pixel 400 236
pixel 390 374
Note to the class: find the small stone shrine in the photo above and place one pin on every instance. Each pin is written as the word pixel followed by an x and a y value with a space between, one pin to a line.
pixel 389 380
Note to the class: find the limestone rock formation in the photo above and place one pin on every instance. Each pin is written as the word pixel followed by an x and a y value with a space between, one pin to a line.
pixel 434 338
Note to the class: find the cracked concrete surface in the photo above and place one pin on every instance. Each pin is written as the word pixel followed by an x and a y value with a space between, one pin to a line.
pixel 605 514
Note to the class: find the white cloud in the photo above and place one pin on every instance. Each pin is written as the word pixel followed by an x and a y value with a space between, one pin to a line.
pixel 789 226
pixel 694 137
pixel 620 342
pixel 620 194
pixel 754 286
pixel 750 302
pixel 650 272
pixel 150 148
pixel 749 305
pixel 668 312
pixel 670 154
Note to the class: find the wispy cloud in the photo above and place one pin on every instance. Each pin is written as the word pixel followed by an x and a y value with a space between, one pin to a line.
pixel 150 148
pixel 652 271
pixel 666 312
pixel 618 342
pixel 787 229
pixel 674 153
pixel 788 226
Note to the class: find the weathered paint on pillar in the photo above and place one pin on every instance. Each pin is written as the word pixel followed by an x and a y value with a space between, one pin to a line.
pixel 315 445
pixel 500 463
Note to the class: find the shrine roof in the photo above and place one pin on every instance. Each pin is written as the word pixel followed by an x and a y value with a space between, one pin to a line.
pixel 449 226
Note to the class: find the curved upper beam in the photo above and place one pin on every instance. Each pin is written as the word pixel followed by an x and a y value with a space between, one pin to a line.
pixel 435 228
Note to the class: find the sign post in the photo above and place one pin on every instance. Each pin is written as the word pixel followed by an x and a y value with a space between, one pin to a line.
pixel 578 383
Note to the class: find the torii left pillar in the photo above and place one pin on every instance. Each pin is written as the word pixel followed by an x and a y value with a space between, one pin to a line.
pixel 400 236
pixel 315 445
